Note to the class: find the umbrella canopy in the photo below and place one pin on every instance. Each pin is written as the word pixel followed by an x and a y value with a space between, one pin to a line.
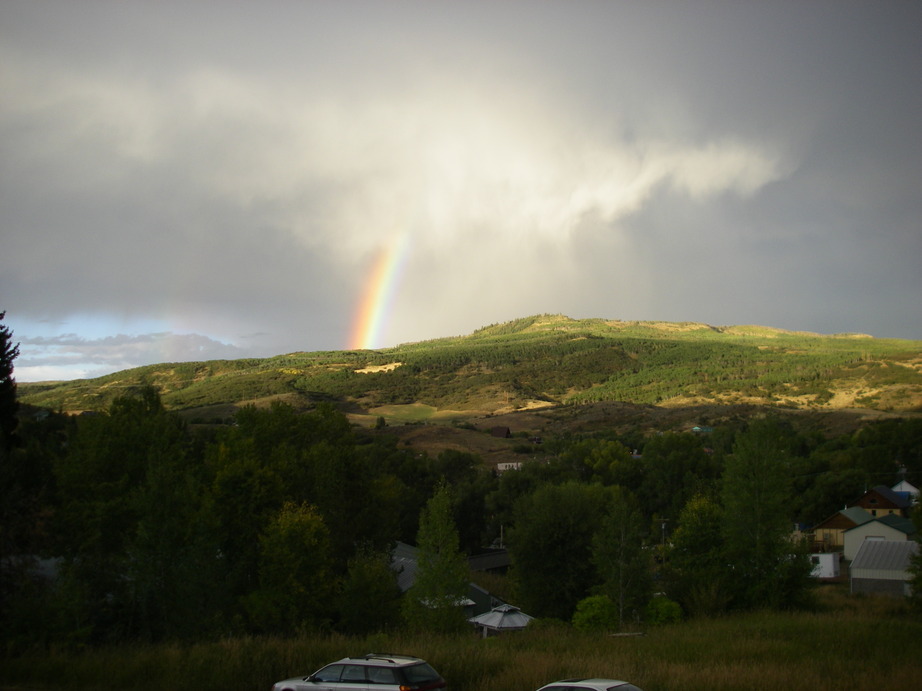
pixel 502 618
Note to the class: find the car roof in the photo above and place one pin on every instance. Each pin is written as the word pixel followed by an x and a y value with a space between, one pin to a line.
pixel 596 682
pixel 378 658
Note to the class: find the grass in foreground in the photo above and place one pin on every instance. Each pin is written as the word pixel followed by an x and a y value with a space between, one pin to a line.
pixel 845 644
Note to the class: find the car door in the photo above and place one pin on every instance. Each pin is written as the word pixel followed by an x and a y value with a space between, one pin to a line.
pixel 353 678
pixel 327 679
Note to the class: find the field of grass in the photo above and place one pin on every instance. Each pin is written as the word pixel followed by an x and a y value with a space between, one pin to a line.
pixel 848 642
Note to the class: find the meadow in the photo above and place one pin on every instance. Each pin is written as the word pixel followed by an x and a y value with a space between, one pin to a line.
pixel 846 642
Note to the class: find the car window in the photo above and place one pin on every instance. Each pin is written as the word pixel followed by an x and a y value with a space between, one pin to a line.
pixel 381 675
pixel 624 687
pixel 353 674
pixel 329 673
pixel 422 672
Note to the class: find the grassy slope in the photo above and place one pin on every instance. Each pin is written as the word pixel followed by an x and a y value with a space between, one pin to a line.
pixel 541 360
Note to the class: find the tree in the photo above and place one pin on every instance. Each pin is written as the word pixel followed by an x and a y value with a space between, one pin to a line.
pixel 605 461
pixel 369 600
pixel 768 569
pixel 433 601
pixel 118 467
pixel 696 568
pixel 915 563
pixel 295 582
pixel 9 405
pixel 551 546
pixel 617 552
pixel 677 468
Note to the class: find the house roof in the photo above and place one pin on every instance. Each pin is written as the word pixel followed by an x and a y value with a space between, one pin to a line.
pixel 885 555
pixel 853 514
pixel 403 561
pixel 900 523
pixel 905 486
pixel 892 496
pixel 857 515
pixel 495 559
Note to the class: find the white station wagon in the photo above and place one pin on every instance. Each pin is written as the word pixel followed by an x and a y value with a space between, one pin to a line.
pixel 373 672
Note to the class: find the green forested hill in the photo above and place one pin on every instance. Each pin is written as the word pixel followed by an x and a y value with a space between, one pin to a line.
pixel 541 360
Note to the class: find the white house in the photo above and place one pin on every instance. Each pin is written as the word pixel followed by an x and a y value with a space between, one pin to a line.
pixel 891 528
pixel 908 490
pixel 882 566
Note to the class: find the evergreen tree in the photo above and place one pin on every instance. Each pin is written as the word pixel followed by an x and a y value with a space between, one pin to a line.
pixel 9 405
pixel 433 602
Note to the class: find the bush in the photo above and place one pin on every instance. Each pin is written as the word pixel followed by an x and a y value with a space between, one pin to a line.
pixel 596 613
pixel 662 610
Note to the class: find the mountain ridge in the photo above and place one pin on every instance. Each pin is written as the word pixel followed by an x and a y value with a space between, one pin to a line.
pixel 539 361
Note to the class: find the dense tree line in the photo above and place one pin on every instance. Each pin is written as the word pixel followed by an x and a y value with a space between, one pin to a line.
pixel 283 521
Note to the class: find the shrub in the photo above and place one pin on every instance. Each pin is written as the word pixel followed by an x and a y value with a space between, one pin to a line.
pixel 662 610
pixel 596 613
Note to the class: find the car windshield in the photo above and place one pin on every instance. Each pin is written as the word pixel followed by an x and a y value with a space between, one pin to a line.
pixel 422 672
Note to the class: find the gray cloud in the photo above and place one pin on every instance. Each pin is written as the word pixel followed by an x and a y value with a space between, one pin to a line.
pixel 235 172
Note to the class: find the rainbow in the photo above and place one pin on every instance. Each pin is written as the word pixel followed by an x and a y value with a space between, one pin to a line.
pixel 378 296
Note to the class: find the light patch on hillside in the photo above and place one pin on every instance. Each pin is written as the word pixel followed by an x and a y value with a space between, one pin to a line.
pixel 379 368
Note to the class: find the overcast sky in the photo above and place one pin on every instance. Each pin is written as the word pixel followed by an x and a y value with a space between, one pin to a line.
pixel 197 180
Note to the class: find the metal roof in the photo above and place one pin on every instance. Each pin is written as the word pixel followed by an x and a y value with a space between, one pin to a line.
pixel 885 555
pixel 502 618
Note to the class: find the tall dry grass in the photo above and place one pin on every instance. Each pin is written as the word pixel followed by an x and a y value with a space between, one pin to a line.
pixel 849 643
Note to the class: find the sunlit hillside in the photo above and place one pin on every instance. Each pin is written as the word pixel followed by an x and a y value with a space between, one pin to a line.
pixel 540 361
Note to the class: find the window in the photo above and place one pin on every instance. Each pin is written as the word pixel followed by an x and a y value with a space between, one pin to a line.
pixel 329 673
pixel 353 674
pixel 381 675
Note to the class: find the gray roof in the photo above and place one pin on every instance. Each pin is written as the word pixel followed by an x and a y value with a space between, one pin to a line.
pixel 856 515
pixel 403 561
pixel 504 617
pixel 885 555
pixel 900 523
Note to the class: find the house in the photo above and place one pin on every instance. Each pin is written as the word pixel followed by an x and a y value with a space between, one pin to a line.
pixel 825 565
pixel 881 501
pixel 882 566
pixel 907 491
pixel 501 432
pixel 828 534
pixel 889 528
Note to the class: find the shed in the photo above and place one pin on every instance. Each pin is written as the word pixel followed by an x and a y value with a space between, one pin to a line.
pixel 890 527
pixel 825 564
pixel 883 567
